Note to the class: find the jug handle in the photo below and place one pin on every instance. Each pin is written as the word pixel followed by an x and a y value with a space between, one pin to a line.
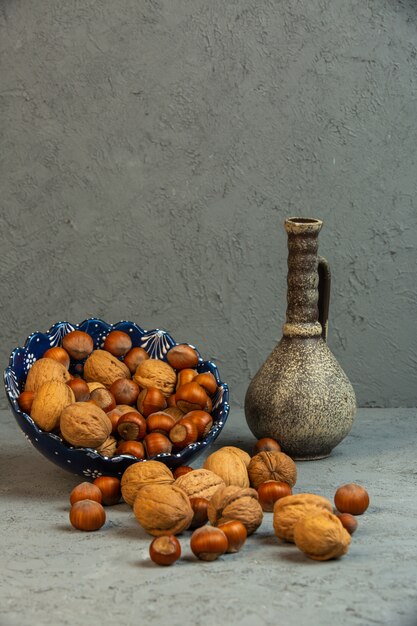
pixel 324 295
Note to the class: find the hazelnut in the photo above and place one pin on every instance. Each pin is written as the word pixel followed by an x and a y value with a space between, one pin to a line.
pixel 110 489
pixel 157 443
pixel 87 515
pixel 25 401
pixel 348 522
pixel 185 376
pixel 132 448
pixel 160 423
pixel 202 420
pixel 181 470
pixel 183 433
pixel 165 550
pixel 59 354
pixel 134 357
pixel 131 426
pixel 117 343
pixel 182 356
pixel 208 543
pixel 78 344
pixel 199 506
pixel 270 491
pixel 208 382
pixel 85 491
pixel 266 444
pixel 191 397
pixel 236 534
pixel 125 391
pixel 351 498
pixel 80 389
pixel 151 400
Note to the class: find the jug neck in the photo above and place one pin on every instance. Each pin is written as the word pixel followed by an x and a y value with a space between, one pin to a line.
pixel 302 279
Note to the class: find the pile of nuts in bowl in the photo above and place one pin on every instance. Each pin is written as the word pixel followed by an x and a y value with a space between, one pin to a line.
pixel 222 504
pixel 121 401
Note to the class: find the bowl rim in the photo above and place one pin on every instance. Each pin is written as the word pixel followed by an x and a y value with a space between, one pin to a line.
pixel 92 452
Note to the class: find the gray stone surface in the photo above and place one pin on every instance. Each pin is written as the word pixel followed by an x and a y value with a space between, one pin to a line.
pixel 55 574
pixel 151 150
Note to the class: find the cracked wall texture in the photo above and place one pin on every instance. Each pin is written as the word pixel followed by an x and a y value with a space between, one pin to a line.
pixel 151 150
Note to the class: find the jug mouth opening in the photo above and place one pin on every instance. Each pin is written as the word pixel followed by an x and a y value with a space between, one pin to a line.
pixel 303 226
pixel 304 220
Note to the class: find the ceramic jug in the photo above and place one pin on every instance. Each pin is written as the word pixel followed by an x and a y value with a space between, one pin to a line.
pixel 301 396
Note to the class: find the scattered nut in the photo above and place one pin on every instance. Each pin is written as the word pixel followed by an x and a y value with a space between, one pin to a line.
pixel 322 536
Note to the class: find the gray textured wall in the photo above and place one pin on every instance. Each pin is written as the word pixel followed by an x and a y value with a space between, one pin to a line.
pixel 151 150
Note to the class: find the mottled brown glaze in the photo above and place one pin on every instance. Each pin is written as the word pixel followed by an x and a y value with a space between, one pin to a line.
pixel 301 396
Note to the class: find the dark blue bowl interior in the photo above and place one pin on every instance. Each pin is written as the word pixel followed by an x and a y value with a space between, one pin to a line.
pixel 86 461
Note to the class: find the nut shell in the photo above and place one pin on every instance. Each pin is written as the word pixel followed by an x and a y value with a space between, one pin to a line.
pixel 45 370
pixel 140 474
pixel 85 424
pixel 103 367
pixel 200 483
pixel 272 466
pixel 162 509
pixel 229 465
pixel 155 373
pixel 290 509
pixel 321 537
pixel 235 503
pixel 49 402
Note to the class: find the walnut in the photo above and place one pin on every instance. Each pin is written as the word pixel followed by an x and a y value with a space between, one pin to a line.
pixel 246 458
pixel 43 371
pixel 155 373
pixel 163 509
pixel 200 483
pixel 108 448
pixel 272 466
pixel 103 367
pixel 322 536
pixel 142 473
pixel 229 465
pixel 235 503
pixel 84 424
pixel 95 385
pixel 290 509
pixel 49 402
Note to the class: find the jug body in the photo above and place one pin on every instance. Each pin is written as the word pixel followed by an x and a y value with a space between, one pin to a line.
pixel 301 396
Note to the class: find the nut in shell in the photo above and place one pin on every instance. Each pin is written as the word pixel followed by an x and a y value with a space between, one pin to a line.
pixel 49 402
pixel 84 424
pixel 322 536
pixel 290 509
pixel 229 465
pixel 158 374
pixel 200 483
pixel 162 509
pixel 103 367
pixel 138 475
pixel 235 503
pixel 43 371
pixel 272 466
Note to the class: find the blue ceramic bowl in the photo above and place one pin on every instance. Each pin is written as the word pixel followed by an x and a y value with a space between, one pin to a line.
pixel 87 461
